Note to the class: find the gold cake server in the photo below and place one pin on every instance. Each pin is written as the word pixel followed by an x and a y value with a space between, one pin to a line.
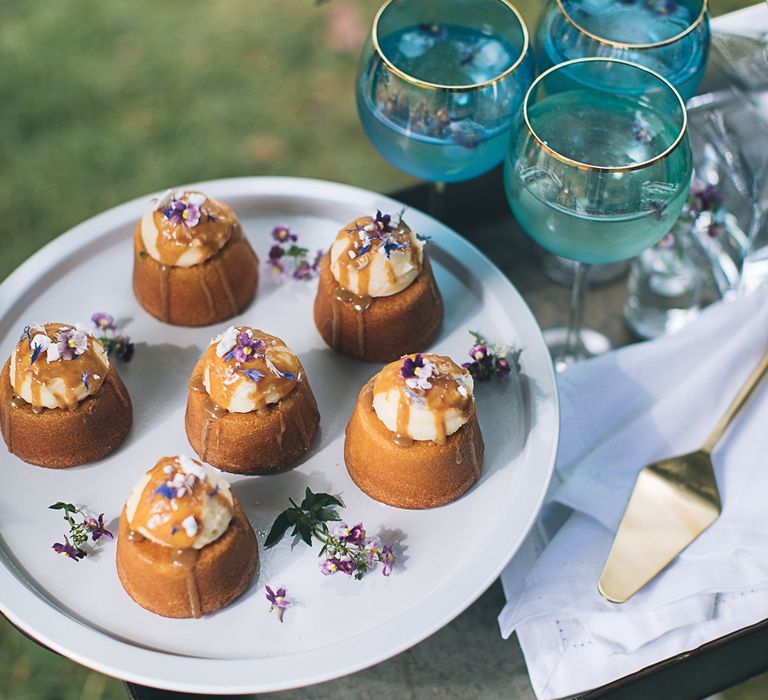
pixel 672 503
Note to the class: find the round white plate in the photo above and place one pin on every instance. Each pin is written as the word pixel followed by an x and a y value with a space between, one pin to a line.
pixel 446 557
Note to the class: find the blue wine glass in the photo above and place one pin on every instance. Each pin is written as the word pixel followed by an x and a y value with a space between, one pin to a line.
pixel 441 82
pixel 670 37
pixel 598 169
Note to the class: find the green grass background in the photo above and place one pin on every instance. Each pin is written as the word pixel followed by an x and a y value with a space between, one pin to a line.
pixel 106 101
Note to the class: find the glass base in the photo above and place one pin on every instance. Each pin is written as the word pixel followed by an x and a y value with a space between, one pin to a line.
pixel 591 343
pixel 560 270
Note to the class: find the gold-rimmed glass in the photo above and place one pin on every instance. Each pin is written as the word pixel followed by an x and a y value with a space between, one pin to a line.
pixel 441 82
pixel 598 168
pixel 671 37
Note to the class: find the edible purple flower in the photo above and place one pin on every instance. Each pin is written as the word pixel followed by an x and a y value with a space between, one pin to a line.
pixel 282 234
pixel 276 265
pixel 124 348
pixel 487 361
pixel 96 526
pixel 502 367
pixel 382 223
pixel 253 374
pixel 72 343
pixel 329 566
pixel 104 322
pixel 69 550
pixel 387 559
pixel 356 535
pixel 417 371
pixel 179 212
pixel 247 347
pixel 303 271
pixel 277 601
pixel 346 566
pixel 703 198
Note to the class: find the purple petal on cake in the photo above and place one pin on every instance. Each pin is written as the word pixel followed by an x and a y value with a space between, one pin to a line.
pixel 37 348
pixel 382 223
pixel 86 374
pixel 103 321
pixel 409 366
pixel 253 374
pixel 167 490
pixel 391 245
pixel 214 491
pixel 72 343
pixel 191 215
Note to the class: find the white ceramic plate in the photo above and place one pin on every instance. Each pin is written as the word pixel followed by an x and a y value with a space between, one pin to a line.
pixel 446 557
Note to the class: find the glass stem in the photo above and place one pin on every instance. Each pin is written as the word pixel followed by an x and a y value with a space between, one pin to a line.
pixel 573 345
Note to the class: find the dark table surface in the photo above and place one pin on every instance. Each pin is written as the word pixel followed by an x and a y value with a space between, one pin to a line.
pixel 468 658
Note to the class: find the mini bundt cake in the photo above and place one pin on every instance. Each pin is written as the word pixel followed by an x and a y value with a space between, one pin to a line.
pixel 250 408
pixel 62 403
pixel 192 264
pixel 413 440
pixel 376 297
pixel 184 546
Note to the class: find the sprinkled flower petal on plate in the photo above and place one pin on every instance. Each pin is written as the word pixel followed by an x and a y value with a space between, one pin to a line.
pixel 277 601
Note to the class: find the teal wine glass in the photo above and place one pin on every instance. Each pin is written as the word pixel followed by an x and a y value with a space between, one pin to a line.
pixel 598 169
pixel 671 37
pixel 440 83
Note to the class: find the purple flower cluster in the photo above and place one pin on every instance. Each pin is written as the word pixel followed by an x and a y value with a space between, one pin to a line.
pixel 417 372
pixel 378 231
pixel 78 531
pixel 112 341
pixel 285 255
pixel 179 212
pixel 487 360
pixel 348 550
pixel 247 348
pixel 277 601
pixel 72 343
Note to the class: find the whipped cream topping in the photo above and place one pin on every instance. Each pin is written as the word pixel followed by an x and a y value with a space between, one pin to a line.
pixel 180 503
pixel 376 257
pixel 55 365
pixel 186 228
pixel 245 369
pixel 423 397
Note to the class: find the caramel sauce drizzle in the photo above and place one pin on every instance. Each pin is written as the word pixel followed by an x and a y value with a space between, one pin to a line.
pixel 163 516
pixel 226 375
pixel 442 398
pixel 210 235
pixel 70 372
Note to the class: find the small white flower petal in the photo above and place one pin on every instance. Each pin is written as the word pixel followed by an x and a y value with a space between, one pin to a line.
pixel 228 341
pixel 196 198
pixel 163 200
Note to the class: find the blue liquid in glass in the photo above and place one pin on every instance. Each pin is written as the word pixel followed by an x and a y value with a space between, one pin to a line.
pixel 442 135
pixel 632 22
pixel 598 217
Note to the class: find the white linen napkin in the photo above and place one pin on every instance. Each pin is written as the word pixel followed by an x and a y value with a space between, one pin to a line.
pixel 619 412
